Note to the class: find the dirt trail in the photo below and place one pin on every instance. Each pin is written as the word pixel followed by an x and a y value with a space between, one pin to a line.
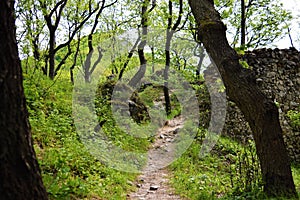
pixel 155 184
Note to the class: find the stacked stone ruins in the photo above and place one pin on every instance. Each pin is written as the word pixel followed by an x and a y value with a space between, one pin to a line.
pixel 277 74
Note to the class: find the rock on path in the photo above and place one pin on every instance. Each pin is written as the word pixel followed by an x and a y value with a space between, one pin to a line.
pixel 154 185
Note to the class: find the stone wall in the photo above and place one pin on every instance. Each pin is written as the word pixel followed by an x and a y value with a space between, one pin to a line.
pixel 277 73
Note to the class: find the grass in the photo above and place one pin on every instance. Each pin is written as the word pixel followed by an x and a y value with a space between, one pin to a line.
pixel 296 176
pixel 196 178
pixel 222 174
pixel 69 171
pixel 152 94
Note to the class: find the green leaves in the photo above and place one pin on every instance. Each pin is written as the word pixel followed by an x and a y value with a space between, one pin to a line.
pixel 294 118
pixel 266 21
pixel 69 171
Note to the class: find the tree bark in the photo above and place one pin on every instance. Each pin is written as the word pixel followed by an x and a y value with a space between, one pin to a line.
pixel 170 33
pixel 166 74
pixel 129 56
pixel 260 112
pixel 19 170
pixel 52 54
pixel 143 61
pixel 243 24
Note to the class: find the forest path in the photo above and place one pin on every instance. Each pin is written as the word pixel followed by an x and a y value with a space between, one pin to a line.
pixel 154 184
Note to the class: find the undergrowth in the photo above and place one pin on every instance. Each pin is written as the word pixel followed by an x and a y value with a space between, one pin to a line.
pixel 69 171
pixel 230 172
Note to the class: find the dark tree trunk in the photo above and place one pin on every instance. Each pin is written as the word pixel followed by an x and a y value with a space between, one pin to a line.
pixel 19 170
pixel 166 76
pixel 243 24
pixel 88 67
pixel 52 55
pixel 142 70
pixel 168 60
pixel 153 57
pixel 260 112
pixel 35 48
pixel 129 56
pixel 170 33
pixel 201 57
pixel 88 62
pixel 143 61
pixel 75 59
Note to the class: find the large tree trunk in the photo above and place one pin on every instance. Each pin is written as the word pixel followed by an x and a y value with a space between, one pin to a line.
pixel 20 176
pixel 260 112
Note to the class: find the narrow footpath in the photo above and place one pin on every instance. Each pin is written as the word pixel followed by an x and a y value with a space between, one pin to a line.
pixel 154 184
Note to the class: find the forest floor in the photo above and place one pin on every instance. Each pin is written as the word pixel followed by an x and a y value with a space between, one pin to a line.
pixel 153 183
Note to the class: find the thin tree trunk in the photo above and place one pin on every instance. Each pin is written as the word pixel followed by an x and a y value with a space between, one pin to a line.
pixel 143 61
pixel 260 112
pixel 170 33
pixel 129 56
pixel 243 24
pixel 19 170
pixel 166 73
pixel 201 57
pixel 153 58
pixel 75 58
pixel 52 55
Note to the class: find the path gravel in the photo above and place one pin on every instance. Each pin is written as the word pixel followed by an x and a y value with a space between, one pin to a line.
pixel 154 184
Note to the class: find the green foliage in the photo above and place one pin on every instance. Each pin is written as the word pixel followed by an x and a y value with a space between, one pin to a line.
pixel 294 116
pixel 240 50
pixel 296 177
pixel 69 171
pixel 205 178
pixel 266 21
pixel 245 173
pixel 151 94
pixel 244 64
pixel 175 105
pixel 110 127
pixel 230 172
